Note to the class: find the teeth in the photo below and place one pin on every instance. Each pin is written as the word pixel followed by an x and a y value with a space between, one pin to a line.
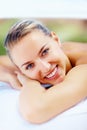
pixel 52 74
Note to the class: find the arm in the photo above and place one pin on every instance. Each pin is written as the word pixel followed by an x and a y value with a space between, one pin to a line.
pixel 7 72
pixel 38 105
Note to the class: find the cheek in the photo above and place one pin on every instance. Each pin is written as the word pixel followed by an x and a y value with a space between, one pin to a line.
pixel 27 74
pixel 32 74
pixel 58 53
pixel 57 56
pixel 54 55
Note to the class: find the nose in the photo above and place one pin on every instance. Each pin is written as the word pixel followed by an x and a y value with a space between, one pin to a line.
pixel 44 66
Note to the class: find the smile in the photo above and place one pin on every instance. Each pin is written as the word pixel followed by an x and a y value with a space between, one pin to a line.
pixel 53 75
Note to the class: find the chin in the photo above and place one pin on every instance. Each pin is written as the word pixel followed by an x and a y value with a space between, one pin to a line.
pixel 58 81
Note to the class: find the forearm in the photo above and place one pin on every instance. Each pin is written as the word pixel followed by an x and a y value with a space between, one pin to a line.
pixel 6 64
pixel 39 105
pixel 30 100
pixel 7 72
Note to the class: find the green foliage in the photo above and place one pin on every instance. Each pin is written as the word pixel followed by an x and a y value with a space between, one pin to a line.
pixel 2 49
pixel 67 30
pixel 70 30
pixel 5 24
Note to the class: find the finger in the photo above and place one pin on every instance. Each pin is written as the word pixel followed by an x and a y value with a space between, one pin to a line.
pixel 15 83
pixel 22 78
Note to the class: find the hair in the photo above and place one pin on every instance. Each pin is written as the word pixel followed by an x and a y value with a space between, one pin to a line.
pixel 21 29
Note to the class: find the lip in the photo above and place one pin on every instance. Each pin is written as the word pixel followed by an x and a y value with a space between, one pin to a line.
pixel 54 74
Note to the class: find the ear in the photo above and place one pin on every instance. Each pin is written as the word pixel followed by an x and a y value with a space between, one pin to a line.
pixel 55 37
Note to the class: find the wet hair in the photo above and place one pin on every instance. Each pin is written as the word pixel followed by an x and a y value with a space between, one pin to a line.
pixel 21 29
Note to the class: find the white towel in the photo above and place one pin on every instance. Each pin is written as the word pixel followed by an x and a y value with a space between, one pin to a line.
pixel 10 118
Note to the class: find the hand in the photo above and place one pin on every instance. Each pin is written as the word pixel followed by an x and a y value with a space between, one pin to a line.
pixel 24 80
pixel 7 74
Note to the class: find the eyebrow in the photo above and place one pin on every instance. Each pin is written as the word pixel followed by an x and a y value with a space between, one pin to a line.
pixel 28 62
pixel 41 49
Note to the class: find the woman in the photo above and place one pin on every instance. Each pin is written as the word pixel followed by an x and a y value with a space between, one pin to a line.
pixel 43 60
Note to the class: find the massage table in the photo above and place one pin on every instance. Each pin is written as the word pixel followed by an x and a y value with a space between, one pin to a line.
pixel 74 118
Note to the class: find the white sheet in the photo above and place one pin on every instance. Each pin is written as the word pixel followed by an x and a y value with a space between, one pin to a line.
pixel 10 118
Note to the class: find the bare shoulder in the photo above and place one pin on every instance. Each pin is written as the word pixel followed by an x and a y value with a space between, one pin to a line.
pixel 2 57
pixel 5 60
pixel 74 45
pixel 76 52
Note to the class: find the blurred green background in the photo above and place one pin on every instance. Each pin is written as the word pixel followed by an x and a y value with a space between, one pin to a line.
pixel 67 29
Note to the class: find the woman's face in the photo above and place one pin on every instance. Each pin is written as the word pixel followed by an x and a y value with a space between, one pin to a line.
pixel 40 57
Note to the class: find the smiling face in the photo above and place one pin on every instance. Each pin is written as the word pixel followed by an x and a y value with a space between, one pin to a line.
pixel 40 57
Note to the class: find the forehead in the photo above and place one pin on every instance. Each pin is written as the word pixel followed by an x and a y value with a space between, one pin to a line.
pixel 28 46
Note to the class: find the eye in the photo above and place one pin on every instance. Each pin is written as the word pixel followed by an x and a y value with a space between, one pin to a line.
pixel 45 52
pixel 30 66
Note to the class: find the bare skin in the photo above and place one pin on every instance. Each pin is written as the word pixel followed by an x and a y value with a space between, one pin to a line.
pixel 44 104
pixel 7 72
pixel 39 105
pixel 40 58
pixel 77 56
pixel 76 52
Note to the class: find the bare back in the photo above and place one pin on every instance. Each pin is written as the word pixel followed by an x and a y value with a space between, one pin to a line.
pixel 76 52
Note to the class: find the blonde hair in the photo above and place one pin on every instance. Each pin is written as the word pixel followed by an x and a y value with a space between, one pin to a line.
pixel 21 29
